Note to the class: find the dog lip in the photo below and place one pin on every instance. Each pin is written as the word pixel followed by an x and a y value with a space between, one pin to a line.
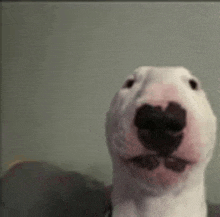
pixel 157 155
pixel 168 159
pixel 148 161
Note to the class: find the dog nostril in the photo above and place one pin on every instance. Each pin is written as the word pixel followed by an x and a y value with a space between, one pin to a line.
pixel 176 117
pixel 149 117
pixel 157 108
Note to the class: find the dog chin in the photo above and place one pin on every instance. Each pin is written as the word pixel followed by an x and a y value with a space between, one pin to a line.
pixel 149 189
pixel 154 181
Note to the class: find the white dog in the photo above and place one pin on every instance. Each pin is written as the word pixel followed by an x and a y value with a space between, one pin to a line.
pixel 161 132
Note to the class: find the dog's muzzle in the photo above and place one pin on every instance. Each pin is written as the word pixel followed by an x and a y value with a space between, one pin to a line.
pixel 158 130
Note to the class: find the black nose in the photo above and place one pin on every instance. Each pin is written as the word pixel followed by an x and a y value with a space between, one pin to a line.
pixel 172 119
pixel 158 129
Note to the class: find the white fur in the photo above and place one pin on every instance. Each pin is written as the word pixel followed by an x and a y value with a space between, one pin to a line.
pixel 161 192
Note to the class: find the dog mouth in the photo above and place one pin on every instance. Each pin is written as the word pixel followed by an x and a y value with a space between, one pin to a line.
pixel 152 161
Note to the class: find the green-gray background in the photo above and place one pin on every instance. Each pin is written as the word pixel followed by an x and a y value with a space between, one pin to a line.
pixel 63 62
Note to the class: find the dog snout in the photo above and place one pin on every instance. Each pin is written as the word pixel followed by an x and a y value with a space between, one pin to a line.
pixel 154 118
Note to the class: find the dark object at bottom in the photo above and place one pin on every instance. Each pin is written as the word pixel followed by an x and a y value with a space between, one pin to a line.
pixel 33 189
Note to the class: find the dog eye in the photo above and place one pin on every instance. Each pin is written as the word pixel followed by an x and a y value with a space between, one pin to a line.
pixel 129 83
pixel 193 84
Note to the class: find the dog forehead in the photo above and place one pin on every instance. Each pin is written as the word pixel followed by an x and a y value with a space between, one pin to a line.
pixel 160 73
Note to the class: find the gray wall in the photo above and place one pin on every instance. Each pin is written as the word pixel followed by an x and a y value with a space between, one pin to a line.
pixel 63 62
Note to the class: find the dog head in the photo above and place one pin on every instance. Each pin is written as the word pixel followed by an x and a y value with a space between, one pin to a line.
pixel 160 128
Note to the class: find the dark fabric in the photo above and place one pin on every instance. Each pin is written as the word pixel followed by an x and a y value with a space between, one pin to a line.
pixel 213 210
pixel 38 189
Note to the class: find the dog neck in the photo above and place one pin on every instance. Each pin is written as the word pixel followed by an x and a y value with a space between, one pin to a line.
pixel 130 200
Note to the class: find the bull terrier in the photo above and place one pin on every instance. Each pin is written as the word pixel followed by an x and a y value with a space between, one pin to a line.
pixel 160 132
